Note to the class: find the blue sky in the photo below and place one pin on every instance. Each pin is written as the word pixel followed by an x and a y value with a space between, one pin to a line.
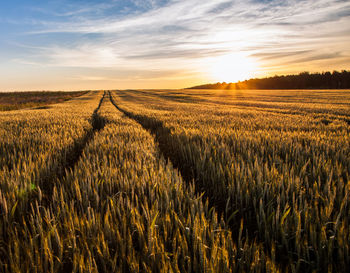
pixel 90 44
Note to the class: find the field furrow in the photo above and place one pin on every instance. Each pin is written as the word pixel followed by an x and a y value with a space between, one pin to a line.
pixel 122 208
pixel 46 144
pixel 287 179
pixel 177 181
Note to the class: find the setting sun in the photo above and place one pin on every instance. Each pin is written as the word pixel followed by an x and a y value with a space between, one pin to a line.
pixel 233 67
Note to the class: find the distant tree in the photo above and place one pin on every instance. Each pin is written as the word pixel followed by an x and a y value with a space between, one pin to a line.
pixel 304 80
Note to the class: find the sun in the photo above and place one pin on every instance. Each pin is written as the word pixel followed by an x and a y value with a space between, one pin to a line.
pixel 233 67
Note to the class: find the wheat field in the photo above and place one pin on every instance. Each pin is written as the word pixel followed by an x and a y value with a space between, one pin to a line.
pixel 177 181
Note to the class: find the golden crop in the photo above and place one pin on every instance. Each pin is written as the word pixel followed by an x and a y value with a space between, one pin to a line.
pixel 177 181
pixel 277 161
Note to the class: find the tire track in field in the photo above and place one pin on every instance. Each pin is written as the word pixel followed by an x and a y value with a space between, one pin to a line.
pixel 41 196
pixel 98 123
pixel 8 147
pixel 66 160
pixel 166 143
pixel 160 133
pixel 48 183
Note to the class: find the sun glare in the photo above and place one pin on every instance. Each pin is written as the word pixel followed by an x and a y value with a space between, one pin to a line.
pixel 233 67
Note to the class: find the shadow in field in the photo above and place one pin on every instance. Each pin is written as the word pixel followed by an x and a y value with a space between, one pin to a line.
pixel 52 174
pixel 40 196
pixel 72 156
pixel 171 147
pixel 42 108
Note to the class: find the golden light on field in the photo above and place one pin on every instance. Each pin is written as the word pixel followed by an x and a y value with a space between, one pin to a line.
pixel 233 67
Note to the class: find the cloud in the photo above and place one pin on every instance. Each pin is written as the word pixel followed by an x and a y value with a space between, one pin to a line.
pixel 178 34
pixel 280 55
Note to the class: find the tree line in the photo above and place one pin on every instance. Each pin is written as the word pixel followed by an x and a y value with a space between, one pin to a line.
pixel 304 80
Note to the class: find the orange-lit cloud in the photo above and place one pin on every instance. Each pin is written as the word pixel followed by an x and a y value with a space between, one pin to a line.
pixel 172 44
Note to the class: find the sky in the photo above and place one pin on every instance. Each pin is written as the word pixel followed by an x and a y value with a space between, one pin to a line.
pixel 121 44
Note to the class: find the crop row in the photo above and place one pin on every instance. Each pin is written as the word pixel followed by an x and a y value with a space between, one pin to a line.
pixel 119 208
pixel 285 176
pixel 37 144
pixel 36 148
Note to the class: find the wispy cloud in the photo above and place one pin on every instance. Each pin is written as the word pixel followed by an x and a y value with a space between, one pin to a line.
pixel 155 34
